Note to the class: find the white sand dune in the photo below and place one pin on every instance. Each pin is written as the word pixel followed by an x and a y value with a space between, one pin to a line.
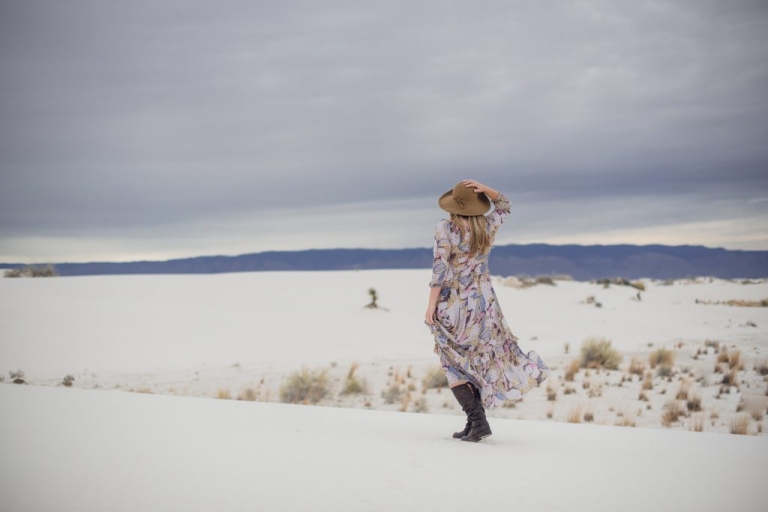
pixel 83 450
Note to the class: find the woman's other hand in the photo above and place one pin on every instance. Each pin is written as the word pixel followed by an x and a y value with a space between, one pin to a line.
pixel 429 316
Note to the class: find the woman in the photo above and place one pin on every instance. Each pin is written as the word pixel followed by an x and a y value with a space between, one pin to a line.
pixel 484 365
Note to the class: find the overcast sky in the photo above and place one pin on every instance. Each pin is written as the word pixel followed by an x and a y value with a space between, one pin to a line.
pixel 157 129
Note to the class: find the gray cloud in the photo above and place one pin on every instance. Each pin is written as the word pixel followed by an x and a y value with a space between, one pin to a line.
pixel 149 121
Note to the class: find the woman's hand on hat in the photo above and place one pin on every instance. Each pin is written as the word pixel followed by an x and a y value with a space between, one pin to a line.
pixel 479 187
pixel 492 194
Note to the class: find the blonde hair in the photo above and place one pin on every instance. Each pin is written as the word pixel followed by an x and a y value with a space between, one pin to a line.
pixel 479 239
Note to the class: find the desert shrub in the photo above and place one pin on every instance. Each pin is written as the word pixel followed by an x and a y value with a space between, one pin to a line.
pixel 353 385
pixel 693 402
pixel 551 394
pixel 420 405
pixel 648 382
pixel 625 421
pixel 682 392
pixel 223 394
pixel 572 369
pixel 712 343
pixel 740 424
pixel 639 285
pixel 589 416
pixel 544 280
pixel 574 414
pixel 672 413
pixel 32 271
pixel 734 359
pixel 598 352
pixel 697 423
pixel 662 356
pixel 392 394
pixel 68 380
pixel 664 370
pixel 436 378
pixel 305 387
pixel 761 367
pixel 731 378
pixel 569 390
pixel 636 367
pixel 642 397
pixel 248 395
pixel 17 377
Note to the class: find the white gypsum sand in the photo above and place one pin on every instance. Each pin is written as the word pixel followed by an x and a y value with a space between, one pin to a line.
pixel 243 335
pixel 85 450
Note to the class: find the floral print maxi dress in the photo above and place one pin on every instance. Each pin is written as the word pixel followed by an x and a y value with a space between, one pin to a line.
pixel 472 337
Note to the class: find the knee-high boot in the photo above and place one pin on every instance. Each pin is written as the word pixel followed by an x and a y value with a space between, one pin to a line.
pixel 477 428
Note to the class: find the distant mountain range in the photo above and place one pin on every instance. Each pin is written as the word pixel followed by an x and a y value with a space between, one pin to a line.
pixel 582 262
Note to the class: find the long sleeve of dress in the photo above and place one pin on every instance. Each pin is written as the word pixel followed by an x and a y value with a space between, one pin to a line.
pixel 500 212
pixel 442 249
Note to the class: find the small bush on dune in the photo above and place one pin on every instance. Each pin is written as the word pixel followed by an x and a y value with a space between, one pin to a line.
pixel 572 369
pixel 248 395
pixel 574 414
pixel 305 387
pixel 392 394
pixel 740 424
pixel 32 271
pixel 734 359
pixel 636 367
pixel 353 385
pixel 662 357
pixel 17 377
pixel 672 413
pixel 697 423
pixel 694 402
pixel 68 380
pixel 436 378
pixel 598 352
pixel 223 394
pixel 761 367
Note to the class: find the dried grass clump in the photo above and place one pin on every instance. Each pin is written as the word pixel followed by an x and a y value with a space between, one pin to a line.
pixel 17 377
pixel 682 392
pixel 572 369
pixel 436 378
pixel 247 395
pixel 625 420
pixel 638 285
pixel 643 397
pixel 697 423
pixel 672 413
pixel 598 353
pixel 662 357
pixel 636 367
pixel 731 378
pixel 761 367
pixel 693 402
pixel 574 414
pixel 421 405
pixel 353 385
pixel 648 382
pixel 305 387
pixel 32 271
pixel 223 394
pixel 68 380
pixel 551 394
pixel 392 394
pixel 740 424
pixel 664 370
pixel 734 359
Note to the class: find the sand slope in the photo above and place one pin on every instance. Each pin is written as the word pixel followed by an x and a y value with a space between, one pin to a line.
pixel 83 450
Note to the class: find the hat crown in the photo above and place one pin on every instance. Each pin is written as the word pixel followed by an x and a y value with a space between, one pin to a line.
pixel 463 200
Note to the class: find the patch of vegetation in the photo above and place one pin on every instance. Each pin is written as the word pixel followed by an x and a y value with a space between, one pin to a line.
pixel 68 380
pixel 353 385
pixel 305 387
pixel 392 394
pixel 740 424
pixel 598 353
pixel 436 378
pixel 32 271
pixel 17 377
pixel 663 357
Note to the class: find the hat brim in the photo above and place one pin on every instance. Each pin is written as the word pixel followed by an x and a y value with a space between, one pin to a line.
pixel 479 207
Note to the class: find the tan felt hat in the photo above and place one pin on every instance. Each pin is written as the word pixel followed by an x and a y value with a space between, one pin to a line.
pixel 463 200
